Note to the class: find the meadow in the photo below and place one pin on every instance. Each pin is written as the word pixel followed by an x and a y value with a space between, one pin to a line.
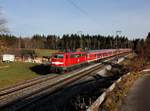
pixel 11 73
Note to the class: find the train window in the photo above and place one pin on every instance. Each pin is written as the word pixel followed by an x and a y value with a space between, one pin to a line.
pixel 59 56
pixel 77 55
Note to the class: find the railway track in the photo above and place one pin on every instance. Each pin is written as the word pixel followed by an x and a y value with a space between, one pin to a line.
pixel 25 84
pixel 16 99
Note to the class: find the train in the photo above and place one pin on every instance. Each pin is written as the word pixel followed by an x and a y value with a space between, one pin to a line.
pixel 67 61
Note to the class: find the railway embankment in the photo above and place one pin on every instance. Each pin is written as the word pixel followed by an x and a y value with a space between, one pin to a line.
pixel 116 95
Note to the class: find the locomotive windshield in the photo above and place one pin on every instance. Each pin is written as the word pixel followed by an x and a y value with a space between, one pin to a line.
pixel 59 56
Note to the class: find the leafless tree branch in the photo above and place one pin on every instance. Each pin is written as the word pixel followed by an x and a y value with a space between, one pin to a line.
pixel 3 24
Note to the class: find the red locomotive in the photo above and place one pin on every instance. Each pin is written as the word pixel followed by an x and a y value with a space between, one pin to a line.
pixel 68 60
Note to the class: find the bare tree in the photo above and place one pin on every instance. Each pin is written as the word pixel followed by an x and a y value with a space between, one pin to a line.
pixel 3 22
pixel 3 30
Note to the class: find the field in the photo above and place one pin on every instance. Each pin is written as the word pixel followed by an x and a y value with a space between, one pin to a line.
pixel 11 73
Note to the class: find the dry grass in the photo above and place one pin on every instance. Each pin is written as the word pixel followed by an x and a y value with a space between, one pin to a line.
pixel 128 60
pixel 115 98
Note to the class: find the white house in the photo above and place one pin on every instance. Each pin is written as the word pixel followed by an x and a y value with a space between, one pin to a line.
pixel 8 58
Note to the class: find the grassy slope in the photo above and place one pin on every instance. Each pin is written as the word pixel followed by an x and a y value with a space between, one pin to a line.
pixel 16 72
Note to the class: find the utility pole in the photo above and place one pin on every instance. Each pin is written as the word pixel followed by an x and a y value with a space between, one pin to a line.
pixel 118 32
pixel 79 33
pixel 19 43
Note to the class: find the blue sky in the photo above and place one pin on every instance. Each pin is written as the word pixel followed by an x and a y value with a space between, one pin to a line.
pixel 28 17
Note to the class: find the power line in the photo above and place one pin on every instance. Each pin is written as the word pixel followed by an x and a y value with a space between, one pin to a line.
pixel 82 11
pixel 77 7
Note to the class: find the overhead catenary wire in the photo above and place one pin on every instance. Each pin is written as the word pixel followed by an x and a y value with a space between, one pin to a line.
pixel 77 7
pixel 81 10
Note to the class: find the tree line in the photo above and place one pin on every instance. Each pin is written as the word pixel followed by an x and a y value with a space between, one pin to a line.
pixel 70 42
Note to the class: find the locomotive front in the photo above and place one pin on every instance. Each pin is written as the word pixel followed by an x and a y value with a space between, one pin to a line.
pixel 58 62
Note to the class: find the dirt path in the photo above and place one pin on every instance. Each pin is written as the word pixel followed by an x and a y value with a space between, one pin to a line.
pixel 138 98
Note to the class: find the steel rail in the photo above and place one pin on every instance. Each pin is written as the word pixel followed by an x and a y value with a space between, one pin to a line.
pixel 25 84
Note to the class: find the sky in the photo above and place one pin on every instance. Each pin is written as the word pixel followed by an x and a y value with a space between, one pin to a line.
pixel 105 17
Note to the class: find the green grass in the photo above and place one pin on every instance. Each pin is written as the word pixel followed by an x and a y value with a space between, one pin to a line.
pixel 16 72
pixel 44 52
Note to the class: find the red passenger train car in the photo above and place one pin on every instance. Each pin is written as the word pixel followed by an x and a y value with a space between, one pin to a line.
pixel 68 60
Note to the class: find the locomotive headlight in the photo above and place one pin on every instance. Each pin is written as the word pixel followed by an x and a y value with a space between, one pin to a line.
pixel 57 63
